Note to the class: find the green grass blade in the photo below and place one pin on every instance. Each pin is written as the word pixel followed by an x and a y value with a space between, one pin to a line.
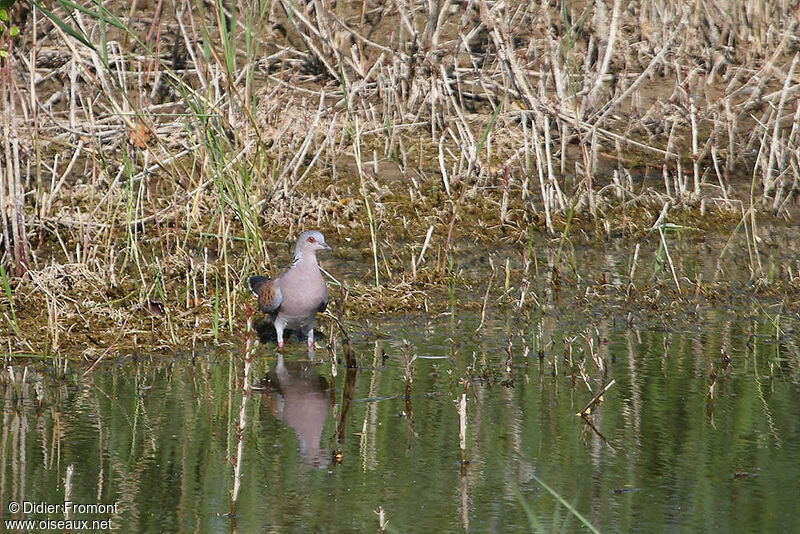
pixel 533 519
pixel 567 505
pixel 10 296
pixel 489 127
pixel 66 28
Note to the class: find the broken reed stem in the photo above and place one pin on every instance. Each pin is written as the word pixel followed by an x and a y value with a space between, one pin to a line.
pixel 407 361
pixel 409 379
pixel 425 244
pixel 347 347
pixel 486 295
pixel 634 262
pixel 461 408
pixel 669 260
pixel 597 399
pixel 382 521
pixel 249 353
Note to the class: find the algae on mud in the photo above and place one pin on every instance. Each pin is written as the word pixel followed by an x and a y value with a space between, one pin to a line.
pixel 219 134
pixel 696 434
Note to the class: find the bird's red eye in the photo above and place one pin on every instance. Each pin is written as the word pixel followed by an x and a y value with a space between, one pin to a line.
pixel 311 239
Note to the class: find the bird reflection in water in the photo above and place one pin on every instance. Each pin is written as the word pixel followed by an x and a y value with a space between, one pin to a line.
pixel 299 396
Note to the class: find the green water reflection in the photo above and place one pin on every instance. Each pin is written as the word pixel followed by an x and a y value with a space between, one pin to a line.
pixel 674 450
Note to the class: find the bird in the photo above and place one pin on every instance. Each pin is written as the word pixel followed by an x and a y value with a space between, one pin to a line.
pixel 293 299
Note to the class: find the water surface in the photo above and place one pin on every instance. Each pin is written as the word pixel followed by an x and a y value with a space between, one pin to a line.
pixel 698 433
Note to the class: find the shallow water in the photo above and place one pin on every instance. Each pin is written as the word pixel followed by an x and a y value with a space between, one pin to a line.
pixel 673 451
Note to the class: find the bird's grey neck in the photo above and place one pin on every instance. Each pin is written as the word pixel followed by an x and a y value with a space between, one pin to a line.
pixel 309 258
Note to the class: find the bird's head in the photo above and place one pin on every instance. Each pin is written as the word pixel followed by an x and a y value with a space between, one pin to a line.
pixel 309 243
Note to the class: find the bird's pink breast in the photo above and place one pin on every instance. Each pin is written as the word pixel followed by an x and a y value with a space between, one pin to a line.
pixel 303 290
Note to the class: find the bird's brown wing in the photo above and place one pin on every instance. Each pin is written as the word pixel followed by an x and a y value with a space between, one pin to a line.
pixel 267 291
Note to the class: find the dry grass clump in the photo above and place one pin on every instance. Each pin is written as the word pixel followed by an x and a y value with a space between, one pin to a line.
pixel 165 148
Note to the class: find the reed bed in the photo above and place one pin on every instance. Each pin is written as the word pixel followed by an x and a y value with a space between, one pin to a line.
pixel 155 154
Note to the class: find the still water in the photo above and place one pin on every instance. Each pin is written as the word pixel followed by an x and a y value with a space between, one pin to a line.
pixel 699 432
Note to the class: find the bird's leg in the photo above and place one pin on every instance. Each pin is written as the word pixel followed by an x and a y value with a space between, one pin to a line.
pixel 279 332
pixel 311 340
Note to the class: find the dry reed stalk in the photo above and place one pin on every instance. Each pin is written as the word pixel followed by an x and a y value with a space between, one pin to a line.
pixel 540 172
pixel 597 398
pixel 382 521
pixel 791 163
pixel 768 182
pixel 611 39
pixel 12 192
pixel 425 244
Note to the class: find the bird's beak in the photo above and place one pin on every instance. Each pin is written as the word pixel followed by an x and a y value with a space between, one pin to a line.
pixel 326 247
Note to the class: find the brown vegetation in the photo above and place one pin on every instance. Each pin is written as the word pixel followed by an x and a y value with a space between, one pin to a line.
pixel 150 151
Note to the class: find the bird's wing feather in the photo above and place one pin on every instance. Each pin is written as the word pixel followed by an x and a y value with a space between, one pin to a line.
pixel 267 291
pixel 323 304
